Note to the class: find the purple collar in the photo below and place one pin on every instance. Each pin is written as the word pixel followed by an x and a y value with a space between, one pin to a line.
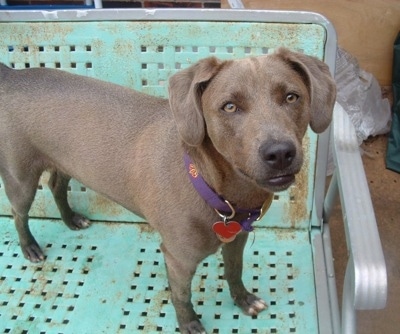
pixel 217 202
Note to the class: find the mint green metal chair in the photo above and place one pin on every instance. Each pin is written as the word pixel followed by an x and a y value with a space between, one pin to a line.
pixel 111 278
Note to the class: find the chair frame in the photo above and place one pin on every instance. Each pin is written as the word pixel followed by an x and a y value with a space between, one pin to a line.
pixel 365 281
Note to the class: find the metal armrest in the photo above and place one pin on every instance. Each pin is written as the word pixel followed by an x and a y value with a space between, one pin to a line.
pixel 365 285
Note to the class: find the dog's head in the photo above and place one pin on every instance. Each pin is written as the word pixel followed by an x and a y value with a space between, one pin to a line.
pixel 255 111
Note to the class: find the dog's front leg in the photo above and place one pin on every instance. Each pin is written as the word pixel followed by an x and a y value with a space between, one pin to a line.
pixel 180 273
pixel 233 263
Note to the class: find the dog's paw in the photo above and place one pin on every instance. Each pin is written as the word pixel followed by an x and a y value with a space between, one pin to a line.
pixel 251 304
pixel 193 327
pixel 33 253
pixel 78 222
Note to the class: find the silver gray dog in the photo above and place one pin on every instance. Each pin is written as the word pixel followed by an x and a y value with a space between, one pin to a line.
pixel 241 122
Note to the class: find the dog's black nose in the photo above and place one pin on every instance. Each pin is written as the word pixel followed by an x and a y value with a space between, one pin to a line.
pixel 278 155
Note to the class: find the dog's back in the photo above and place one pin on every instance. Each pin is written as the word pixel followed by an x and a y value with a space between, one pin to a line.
pixel 95 125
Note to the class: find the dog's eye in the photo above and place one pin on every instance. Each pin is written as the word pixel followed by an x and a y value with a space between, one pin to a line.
pixel 291 98
pixel 230 107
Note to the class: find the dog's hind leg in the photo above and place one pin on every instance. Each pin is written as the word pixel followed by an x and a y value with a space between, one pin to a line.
pixel 233 265
pixel 21 193
pixel 58 184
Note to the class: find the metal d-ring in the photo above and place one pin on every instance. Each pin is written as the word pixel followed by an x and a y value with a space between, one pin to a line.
pixel 265 207
pixel 224 217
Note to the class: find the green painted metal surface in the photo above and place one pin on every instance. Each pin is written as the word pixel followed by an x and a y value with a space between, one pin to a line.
pixel 111 278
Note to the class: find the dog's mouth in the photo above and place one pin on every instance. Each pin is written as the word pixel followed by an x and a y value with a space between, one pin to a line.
pixel 276 183
pixel 280 182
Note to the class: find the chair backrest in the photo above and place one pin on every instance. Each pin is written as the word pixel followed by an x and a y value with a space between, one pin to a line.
pixel 141 49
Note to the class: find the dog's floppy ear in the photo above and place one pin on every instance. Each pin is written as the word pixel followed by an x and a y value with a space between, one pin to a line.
pixel 320 83
pixel 185 89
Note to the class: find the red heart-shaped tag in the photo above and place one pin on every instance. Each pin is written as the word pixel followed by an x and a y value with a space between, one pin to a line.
pixel 227 232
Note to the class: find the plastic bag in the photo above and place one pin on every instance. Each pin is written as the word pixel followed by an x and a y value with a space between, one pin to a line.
pixel 360 95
